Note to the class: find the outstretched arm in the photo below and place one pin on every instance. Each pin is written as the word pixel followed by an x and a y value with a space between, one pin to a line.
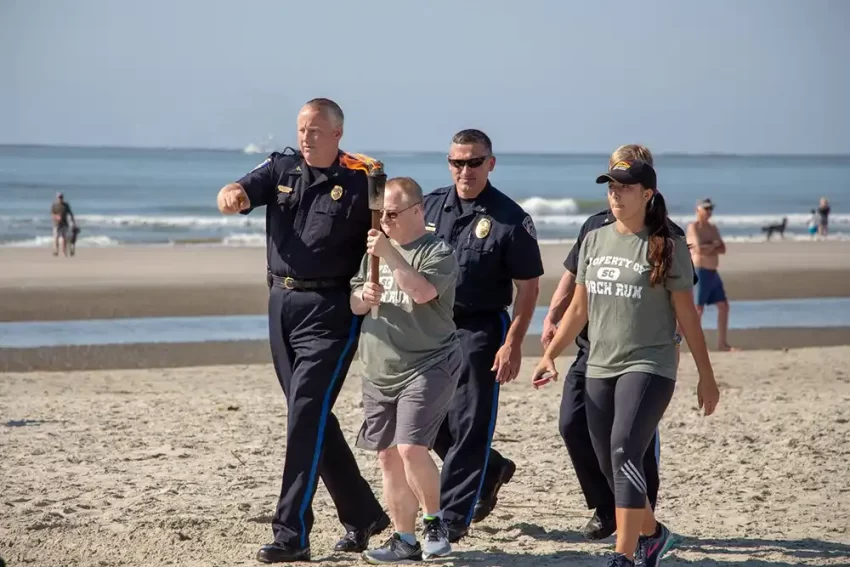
pixel 232 199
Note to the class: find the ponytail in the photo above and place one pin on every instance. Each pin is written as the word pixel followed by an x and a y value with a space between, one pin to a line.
pixel 660 239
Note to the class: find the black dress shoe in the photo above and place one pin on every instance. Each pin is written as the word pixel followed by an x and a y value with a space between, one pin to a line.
pixel 488 501
pixel 356 541
pixel 456 530
pixel 599 527
pixel 281 553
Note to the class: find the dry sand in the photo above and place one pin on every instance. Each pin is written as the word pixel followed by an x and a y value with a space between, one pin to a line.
pixel 182 467
pixel 198 280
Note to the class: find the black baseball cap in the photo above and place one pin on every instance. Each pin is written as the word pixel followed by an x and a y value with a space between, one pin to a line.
pixel 630 172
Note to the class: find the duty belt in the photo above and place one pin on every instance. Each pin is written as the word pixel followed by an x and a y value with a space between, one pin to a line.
pixel 288 282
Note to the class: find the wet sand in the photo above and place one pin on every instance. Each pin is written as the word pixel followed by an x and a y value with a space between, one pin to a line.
pixel 189 281
pixel 179 355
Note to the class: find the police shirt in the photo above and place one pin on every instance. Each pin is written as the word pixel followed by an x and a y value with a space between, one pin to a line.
pixel 594 222
pixel 316 219
pixel 495 243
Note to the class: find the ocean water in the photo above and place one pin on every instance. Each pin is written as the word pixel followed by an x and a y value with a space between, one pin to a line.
pixel 784 313
pixel 160 196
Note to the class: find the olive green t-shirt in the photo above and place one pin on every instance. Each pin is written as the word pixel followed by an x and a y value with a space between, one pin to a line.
pixel 631 323
pixel 408 338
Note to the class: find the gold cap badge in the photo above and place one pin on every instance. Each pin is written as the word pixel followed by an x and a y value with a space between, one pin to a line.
pixel 482 229
pixel 336 192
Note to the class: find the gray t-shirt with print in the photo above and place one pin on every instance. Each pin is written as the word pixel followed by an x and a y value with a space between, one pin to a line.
pixel 631 323
pixel 408 338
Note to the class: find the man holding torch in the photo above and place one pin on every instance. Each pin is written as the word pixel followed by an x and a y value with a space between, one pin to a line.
pixel 412 358
pixel 317 218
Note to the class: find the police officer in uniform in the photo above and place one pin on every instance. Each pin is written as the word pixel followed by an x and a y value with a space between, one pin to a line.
pixel 317 217
pixel 496 246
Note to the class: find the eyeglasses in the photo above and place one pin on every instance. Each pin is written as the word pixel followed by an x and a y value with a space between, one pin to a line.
pixel 472 163
pixel 392 215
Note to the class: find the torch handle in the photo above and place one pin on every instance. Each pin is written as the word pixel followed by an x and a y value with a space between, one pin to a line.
pixel 374 261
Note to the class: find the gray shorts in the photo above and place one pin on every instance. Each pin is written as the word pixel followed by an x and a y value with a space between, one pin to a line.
pixel 413 415
pixel 60 231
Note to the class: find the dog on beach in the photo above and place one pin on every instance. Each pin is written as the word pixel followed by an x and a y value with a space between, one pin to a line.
pixel 72 240
pixel 778 227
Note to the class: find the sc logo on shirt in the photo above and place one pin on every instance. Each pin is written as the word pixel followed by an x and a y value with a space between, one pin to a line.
pixel 608 274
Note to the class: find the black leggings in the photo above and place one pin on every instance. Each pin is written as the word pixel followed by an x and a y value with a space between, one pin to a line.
pixel 622 414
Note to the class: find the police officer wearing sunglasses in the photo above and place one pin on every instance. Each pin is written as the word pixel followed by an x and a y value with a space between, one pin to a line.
pixel 496 245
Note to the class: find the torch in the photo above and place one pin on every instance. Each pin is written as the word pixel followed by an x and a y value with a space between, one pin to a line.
pixel 377 182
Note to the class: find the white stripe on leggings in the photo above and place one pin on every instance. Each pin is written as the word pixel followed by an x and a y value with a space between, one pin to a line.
pixel 634 476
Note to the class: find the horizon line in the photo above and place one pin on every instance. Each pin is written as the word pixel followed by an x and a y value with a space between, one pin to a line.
pixel 395 151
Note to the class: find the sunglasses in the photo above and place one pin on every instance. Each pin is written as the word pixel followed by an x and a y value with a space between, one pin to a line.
pixel 392 215
pixel 472 163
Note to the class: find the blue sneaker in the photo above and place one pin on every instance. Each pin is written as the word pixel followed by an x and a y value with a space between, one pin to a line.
pixel 652 548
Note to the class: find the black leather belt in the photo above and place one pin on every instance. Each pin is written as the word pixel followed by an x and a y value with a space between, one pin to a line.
pixel 288 282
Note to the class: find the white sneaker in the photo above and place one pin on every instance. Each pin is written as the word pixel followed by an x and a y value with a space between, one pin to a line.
pixel 436 541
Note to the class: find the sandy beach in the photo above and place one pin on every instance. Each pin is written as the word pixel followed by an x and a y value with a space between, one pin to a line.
pixel 182 467
pixel 170 453
pixel 197 280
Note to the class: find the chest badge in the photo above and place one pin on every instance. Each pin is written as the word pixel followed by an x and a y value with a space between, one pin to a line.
pixel 482 229
pixel 284 189
pixel 336 192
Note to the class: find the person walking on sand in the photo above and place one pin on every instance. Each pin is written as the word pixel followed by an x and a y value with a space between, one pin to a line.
pixel 60 210
pixel 823 214
pixel 634 282
pixel 317 219
pixel 572 422
pixel 706 247
pixel 412 356
pixel 500 265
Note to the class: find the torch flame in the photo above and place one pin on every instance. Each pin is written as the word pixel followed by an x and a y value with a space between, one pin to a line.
pixel 360 162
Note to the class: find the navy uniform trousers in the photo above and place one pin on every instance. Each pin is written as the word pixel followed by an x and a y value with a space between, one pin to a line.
pixel 463 442
pixel 573 427
pixel 313 337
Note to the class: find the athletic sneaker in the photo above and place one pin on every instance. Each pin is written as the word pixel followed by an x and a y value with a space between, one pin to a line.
pixel 619 560
pixel 395 550
pixel 652 548
pixel 436 539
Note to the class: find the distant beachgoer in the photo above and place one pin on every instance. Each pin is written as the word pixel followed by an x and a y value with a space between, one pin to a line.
pixel 823 213
pixel 814 222
pixel 60 210
pixel 706 247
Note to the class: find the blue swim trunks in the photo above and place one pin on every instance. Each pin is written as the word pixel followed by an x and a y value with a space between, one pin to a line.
pixel 709 290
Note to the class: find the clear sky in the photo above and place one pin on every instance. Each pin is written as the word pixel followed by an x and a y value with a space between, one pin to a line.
pixel 732 76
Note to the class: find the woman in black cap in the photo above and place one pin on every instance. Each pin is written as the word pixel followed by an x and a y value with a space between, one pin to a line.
pixel 634 281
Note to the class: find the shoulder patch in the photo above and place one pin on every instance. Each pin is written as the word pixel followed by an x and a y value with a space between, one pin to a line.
pixel 266 161
pixel 528 224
